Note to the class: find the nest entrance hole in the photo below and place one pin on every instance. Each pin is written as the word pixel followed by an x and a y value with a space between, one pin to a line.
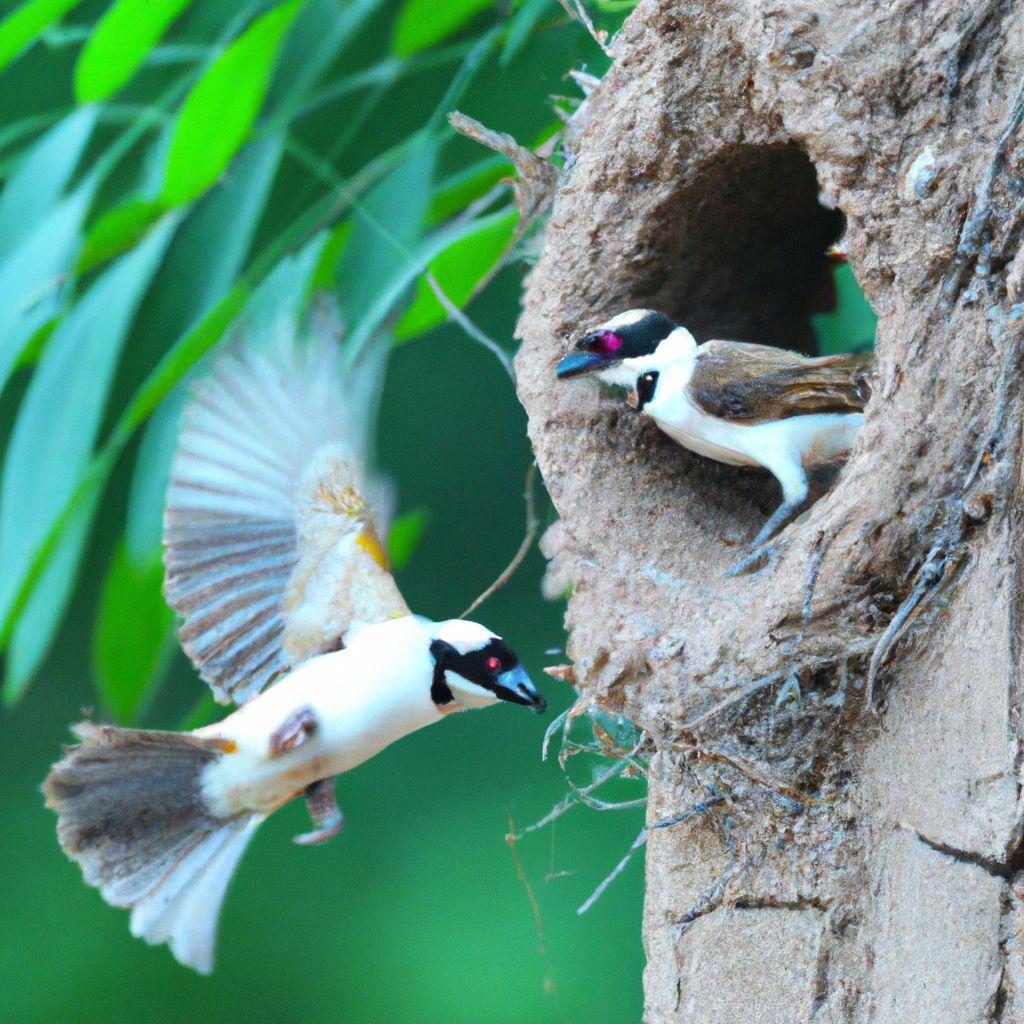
pixel 745 244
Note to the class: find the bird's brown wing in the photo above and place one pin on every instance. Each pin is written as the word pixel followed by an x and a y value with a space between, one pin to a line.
pixel 271 552
pixel 736 380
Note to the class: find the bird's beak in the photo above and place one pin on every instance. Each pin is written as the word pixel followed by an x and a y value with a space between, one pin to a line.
pixel 516 686
pixel 575 364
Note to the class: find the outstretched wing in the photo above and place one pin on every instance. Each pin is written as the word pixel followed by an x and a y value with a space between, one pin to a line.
pixel 271 554
pixel 736 380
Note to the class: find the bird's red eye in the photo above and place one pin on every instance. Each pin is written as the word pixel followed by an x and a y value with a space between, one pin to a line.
pixel 493 664
pixel 606 342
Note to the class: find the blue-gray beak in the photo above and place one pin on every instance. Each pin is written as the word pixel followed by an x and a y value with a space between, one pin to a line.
pixel 575 364
pixel 516 686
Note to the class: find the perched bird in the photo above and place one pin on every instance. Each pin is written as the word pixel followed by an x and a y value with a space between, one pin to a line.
pixel 732 401
pixel 289 609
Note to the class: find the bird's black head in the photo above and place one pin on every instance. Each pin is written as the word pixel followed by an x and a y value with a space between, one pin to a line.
pixel 474 668
pixel 629 335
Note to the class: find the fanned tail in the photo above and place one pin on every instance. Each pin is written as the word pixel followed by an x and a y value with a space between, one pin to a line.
pixel 131 813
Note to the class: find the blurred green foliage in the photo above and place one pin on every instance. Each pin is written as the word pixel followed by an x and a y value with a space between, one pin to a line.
pixel 167 166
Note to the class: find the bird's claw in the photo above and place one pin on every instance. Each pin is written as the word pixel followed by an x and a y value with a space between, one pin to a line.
pixel 759 552
pixel 324 810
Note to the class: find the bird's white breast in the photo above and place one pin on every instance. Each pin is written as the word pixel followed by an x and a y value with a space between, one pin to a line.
pixel 362 699
pixel 689 426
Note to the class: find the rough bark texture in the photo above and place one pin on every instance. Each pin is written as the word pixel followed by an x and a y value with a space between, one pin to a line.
pixel 859 868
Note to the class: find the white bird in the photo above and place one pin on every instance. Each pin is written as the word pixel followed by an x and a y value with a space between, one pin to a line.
pixel 289 609
pixel 735 402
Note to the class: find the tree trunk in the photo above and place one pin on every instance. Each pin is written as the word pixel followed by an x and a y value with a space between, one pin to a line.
pixel 857 867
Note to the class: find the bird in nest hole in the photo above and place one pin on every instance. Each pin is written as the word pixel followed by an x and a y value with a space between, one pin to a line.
pixel 733 401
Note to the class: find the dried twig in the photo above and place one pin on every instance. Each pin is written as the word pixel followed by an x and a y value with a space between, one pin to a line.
pixel 458 317
pixel 599 36
pixel 765 681
pixel 931 573
pixel 535 188
pixel 532 524
pixel 691 813
pixel 615 872
pixel 538 921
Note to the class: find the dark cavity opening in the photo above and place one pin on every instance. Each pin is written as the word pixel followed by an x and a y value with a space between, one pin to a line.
pixel 744 247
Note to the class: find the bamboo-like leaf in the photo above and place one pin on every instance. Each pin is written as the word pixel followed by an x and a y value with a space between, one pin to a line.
pixel 423 23
pixel 33 632
pixel 22 27
pixel 320 32
pixel 395 287
pixel 40 234
pixel 203 263
pixel 31 275
pixel 52 443
pixel 189 348
pixel 117 231
pixel 386 227
pixel 292 271
pixel 460 270
pixel 39 180
pixel 144 526
pixel 405 535
pixel 457 192
pixel 220 110
pixel 521 24
pixel 326 272
pixel 133 634
pixel 119 43
pixel 209 251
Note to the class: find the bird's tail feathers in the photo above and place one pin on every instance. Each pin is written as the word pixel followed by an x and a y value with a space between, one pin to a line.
pixel 131 813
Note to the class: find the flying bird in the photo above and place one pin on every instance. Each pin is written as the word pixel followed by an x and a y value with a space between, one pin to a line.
pixel 732 401
pixel 287 608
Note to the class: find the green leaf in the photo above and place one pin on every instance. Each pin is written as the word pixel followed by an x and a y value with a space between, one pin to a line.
pixel 320 32
pixel 395 287
pixel 386 227
pixel 116 231
pixel 31 275
pixel 131 640
pixel 183 355
pixel 210 250
pixel 201 266
pixel 144 528
pixel 51 447
pixel 33 349
pixel 291 275
pixel 460 270
pixel 327 267
pixel 423 23
pixel 39 180
pixel 405 535
pixel 40 234
pixel 456 193
pixel 220 110
pixel 37 621
pixel 21 27
pixel 520 26
pixel 119 43
pixel 851 326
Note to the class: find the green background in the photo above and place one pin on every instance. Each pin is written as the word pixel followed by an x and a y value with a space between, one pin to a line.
pixel 417 912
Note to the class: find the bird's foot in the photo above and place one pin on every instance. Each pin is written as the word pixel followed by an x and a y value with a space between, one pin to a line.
pixel 758 553
pixel 324 810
